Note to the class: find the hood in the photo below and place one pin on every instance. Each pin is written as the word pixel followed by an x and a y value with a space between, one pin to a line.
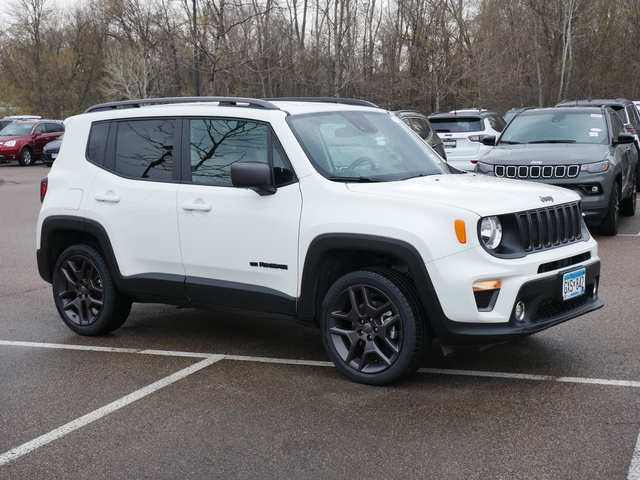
pixel 541 154
pixel 481 194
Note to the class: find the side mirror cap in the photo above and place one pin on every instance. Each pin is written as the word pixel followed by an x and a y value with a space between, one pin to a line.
pixel 252 175
pixel 489 140
pixel 624 138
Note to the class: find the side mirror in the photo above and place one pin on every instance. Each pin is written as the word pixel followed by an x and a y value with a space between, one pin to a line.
pixel 489 140
pixel 37 134
pixel 252 175
pixel 624 138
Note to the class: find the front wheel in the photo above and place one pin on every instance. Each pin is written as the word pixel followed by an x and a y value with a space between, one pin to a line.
pixel 609 225
pixel 84 292
pixel 372 327
pixel 628 205
pixel 26 158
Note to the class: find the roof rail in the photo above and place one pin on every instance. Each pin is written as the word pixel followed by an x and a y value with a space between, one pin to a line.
pixel 346 101
pixel 222 101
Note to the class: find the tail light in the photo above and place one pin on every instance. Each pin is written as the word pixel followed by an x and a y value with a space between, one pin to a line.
pixel 476 138
pixel 44 183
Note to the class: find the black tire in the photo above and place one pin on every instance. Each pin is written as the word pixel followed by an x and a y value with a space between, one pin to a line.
pixel 26 158
pixel 84 292
pixel 609 224
pixel 372 327
pixel 628 205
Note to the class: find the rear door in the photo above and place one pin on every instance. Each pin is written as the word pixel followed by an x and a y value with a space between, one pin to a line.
pixel 133 197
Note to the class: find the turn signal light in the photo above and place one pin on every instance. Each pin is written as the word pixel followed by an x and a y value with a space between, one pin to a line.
pixel 461 231
pixel 487 285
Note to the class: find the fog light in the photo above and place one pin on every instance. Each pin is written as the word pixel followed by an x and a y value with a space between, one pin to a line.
pixel 519 311
pixel 595 189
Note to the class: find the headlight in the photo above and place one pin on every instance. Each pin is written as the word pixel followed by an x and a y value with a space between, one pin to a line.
pixel 10 143
pixel 491 232
pixel 484 167
pixel 596 167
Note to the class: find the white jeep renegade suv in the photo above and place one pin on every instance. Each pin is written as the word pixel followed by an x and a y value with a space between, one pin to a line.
pixel 329 211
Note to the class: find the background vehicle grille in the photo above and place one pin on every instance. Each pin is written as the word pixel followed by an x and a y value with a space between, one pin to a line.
pixel 550 227
pixel 537 171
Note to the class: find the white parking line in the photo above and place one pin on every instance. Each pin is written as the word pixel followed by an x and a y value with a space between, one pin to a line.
pixel 102 412
pixel 634 469
pixel 209 359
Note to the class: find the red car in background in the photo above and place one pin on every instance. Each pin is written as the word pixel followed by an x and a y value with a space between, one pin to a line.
pixel 24 140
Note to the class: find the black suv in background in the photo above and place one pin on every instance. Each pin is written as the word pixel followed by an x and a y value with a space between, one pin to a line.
pixel 420 124
pixel 585 149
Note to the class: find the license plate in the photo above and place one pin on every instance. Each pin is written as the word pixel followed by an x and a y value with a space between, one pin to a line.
pixel 449 143
pixel 573 284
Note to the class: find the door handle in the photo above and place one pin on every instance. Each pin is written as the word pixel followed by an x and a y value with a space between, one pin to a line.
pixel 108 198
pixel 197 207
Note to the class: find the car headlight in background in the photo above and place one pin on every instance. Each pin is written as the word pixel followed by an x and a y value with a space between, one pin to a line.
pixel 484 167
pixel 10 143
pixel 596 167
pixel 491 232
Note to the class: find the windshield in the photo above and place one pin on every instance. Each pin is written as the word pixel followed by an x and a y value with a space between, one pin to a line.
pixel 364 146
pixel 555 126
pixel 14 129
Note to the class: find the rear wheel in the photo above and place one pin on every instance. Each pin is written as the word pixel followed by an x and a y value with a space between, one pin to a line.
pixel 26 158
pixel 372 327
pixel 84 292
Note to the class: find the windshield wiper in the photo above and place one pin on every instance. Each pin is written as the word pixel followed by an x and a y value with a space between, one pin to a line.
pixel 417 175
pixel 553 141
pixel 356 179
pixel 509 142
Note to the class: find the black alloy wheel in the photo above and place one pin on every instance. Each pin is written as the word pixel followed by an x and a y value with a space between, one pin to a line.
pixel 372 327
pixel 84 292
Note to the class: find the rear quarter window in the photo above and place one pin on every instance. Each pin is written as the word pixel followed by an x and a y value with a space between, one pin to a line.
pixel 97 144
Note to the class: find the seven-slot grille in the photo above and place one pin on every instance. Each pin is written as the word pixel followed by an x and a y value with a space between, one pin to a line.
pixel 550 227
pixel 537 171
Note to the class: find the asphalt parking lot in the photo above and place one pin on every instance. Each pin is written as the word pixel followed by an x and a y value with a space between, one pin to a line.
pixel 180 393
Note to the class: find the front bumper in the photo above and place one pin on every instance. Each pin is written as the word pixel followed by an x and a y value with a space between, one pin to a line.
pixel 544 308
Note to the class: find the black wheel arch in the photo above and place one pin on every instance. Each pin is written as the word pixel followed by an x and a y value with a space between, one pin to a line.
pixel 60 232
pixel 332 255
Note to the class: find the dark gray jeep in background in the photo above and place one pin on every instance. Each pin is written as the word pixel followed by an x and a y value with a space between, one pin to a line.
pixel 585 149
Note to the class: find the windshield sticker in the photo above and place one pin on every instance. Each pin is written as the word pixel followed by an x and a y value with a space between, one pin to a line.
pixel 596 129
pixel 596 115
pixel 593 134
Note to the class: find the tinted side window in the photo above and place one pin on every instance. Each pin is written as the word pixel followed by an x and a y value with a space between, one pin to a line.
pixel 215 144
pixel 420 126
pixel 97 144
pixel 54 128
pixel 616 126
pixel 40 128
pixel 144 148
pixel 497 123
